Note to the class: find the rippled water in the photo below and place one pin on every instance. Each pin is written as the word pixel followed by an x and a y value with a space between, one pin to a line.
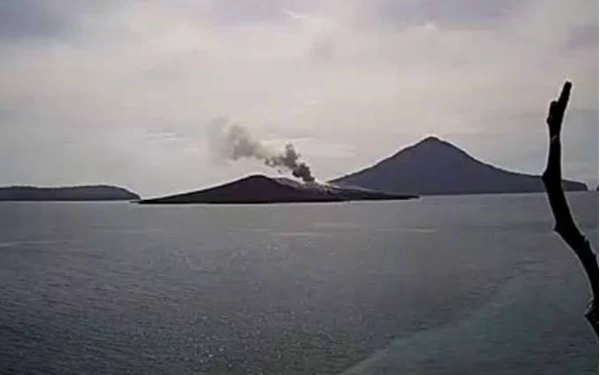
pixel 440 285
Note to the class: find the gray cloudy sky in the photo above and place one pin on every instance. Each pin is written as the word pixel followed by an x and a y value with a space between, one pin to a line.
pixel 123 92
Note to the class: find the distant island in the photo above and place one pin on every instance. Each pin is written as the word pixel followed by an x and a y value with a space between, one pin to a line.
pixel 259 189
pixel 429 167
pixel 68 193
pixel 436 167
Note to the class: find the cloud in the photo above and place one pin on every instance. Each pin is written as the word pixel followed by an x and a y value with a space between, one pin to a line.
pixel 41 19
pixel 369 75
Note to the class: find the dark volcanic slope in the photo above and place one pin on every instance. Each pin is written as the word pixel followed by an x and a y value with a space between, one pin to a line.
pixel 262 189
pixel 436 167
pixel 74 193
pixel 251 189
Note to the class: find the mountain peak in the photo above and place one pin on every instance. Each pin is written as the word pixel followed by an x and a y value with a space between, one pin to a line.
pixel 434 166
pixel 432 147
pixel 431 139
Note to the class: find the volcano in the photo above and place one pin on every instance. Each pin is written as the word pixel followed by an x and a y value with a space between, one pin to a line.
pixel 259 189
pixel 437 167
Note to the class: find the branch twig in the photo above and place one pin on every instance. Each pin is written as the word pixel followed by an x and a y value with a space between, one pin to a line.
pixel 565 226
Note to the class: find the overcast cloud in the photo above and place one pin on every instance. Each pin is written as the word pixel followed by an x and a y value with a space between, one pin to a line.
pixel 123 92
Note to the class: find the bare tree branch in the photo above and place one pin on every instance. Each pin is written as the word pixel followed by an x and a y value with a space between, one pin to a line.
pixel 565 224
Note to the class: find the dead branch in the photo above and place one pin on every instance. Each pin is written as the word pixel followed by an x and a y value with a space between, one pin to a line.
pixel 565 225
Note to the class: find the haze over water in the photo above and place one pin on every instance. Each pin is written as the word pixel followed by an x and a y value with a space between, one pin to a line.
pixel 474 284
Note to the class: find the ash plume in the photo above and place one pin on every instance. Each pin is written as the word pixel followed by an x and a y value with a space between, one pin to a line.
pixel 234 142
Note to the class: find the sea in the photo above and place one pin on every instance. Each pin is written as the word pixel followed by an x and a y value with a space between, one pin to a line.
pixel 439 285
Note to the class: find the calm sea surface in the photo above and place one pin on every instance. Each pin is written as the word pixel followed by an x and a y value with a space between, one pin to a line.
pixel 459 285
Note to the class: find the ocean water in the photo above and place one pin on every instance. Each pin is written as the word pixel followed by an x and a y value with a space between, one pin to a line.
pixel 442 285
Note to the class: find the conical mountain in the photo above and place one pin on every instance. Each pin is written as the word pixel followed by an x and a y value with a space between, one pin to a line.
pixel 436 167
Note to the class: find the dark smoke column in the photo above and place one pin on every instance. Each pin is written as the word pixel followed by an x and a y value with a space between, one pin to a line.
pixel 303 172
pixel 234 142
pixel 290 160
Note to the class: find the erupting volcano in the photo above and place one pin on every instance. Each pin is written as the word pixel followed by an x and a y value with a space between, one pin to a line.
pixel 262 189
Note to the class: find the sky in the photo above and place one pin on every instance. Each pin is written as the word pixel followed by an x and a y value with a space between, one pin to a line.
pixel 125 92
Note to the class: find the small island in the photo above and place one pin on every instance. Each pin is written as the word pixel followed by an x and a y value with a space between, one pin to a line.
pixel 259 189
pixel 66 193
